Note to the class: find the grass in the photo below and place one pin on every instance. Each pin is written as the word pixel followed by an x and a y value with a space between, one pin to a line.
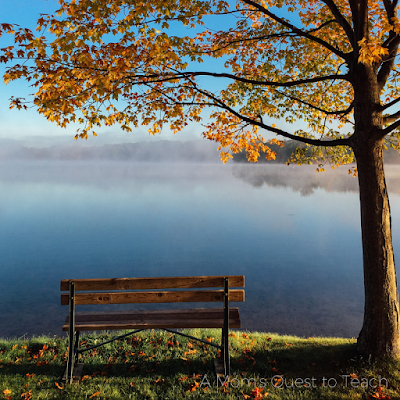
pixel 160 365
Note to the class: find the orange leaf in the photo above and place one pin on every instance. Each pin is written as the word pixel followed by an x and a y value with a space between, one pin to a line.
pixel 27 395
pixel 193 387
pixel 94 395
pixel 58 385
pixel 258 394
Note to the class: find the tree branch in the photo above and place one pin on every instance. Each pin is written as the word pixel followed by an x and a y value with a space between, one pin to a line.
pixel 392 44
pixel 359 10
pixel 388 105
pixel 390 128
pixel 341 20
pixel 344 112
pixel 389 10
pixel 262 83
pixel 258 38
pixel 391 118
pixel 314 142
pixel 297 30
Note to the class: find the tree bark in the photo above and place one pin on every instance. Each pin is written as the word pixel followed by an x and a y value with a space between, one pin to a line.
pixel 379 336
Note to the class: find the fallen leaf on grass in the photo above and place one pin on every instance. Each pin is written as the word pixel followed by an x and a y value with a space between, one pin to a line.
pixel 94 395
pixel 379 394
pixel 59 386
pixel 27 395
pixel 277 381
pixel 258 394
pixel 193 387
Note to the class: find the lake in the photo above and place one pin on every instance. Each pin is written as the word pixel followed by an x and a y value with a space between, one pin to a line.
pixel 293 233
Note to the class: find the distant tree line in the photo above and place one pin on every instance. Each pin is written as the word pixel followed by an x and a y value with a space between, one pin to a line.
pixel 283 154
pixel 159 151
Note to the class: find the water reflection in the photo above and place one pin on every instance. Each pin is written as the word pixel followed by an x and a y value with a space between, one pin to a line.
pixel 305 180
pixel 301 255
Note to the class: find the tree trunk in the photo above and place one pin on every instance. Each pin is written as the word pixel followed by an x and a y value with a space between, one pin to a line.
pixel 379 336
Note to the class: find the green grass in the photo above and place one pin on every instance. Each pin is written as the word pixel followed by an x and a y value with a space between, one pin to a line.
pixel 159 365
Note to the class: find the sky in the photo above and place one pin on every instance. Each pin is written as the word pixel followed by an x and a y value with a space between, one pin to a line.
pixel 33 129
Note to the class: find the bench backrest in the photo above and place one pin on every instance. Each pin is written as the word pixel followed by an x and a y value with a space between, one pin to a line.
pixel 149 290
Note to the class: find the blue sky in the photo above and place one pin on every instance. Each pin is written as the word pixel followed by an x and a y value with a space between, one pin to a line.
pixel 34 129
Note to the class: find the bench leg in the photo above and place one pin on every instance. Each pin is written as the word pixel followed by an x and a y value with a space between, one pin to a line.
pixel 225 352
pixel 71 333
pixel 72 356
pixel 225 330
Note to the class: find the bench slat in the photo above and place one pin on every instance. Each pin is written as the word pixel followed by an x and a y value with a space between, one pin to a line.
pixel 154 319
pixel 154 297
pixel 206 313
pixel 153 283
pixel 178 324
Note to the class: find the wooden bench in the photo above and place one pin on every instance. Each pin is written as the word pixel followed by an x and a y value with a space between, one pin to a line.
pixel 151 290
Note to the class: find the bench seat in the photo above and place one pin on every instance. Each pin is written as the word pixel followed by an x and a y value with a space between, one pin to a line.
pixel 154 319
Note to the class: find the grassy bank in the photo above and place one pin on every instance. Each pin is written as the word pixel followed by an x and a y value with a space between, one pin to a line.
pixel 159 365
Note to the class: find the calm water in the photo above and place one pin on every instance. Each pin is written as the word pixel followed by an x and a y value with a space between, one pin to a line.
pixel 294 234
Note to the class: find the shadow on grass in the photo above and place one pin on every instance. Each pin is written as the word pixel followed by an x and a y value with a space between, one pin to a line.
pixel 301 360
pixel 27 368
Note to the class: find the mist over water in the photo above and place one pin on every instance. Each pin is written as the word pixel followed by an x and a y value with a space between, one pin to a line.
pixel 293 233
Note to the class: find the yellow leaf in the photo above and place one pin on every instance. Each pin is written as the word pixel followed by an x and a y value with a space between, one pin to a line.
pixel 370 52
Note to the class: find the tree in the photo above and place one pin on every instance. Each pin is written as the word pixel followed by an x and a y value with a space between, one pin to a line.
pixel 328 63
